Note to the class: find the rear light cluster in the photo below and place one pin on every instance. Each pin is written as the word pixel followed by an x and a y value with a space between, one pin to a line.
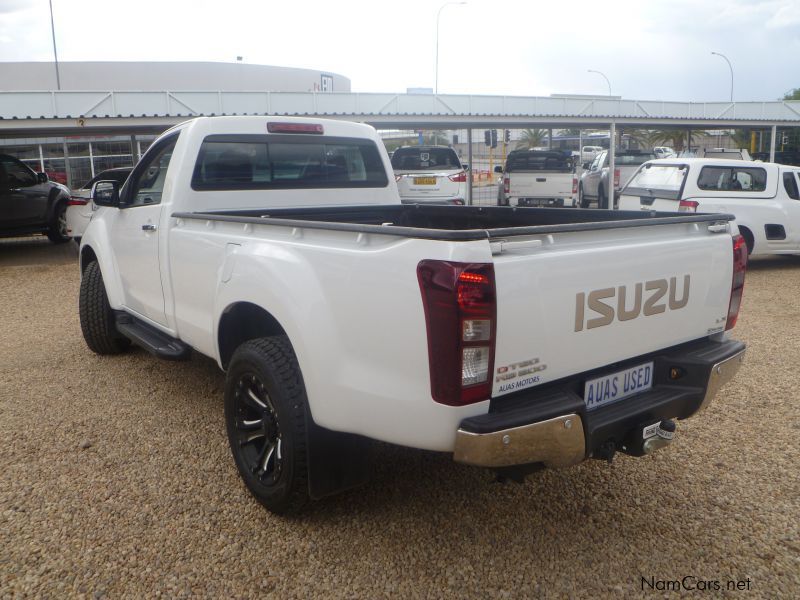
pixel 458 177
pixel 616 178
pixel 737 283
pixel 688 206
pixel 75 201
pixel 460 314
pixel 506 185
pixel 574 185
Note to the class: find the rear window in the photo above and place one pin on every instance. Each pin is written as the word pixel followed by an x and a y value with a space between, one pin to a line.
pixel 633 159
pixel 425 159
pixel 732 179
pixel 790 185
pixel 538 161
pixel 286 162
pixel 658 181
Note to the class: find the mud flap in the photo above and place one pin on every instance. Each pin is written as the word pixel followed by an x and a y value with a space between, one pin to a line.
pixel 336 461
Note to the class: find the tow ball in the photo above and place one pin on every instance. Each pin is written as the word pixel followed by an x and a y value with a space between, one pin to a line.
pixel 657 436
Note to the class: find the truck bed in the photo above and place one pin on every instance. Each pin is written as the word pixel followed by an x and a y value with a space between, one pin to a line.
pixel 453 223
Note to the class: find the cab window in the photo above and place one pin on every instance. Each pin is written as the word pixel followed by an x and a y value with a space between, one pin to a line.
pixel 15 173
pixel 147 180
pixel 790 185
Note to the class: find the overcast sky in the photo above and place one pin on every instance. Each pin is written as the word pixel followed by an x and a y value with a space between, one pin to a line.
pixel 649 49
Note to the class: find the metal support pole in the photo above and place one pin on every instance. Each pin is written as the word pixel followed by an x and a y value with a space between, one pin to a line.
pixel 612 190
pixel 55 52
pixel 471 167
pixel 91 160
pixel 772 140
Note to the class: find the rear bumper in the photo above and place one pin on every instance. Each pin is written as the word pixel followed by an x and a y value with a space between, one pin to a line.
pixel 553 427
pixel 560 202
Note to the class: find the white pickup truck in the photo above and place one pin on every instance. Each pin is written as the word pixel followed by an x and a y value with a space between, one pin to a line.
pixel 764 197
pixel 508 337
pixel 538 178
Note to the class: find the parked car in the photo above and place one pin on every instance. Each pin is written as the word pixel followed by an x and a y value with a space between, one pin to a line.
pixel 80 206
pixel 727 153
pixel 594 179
pixel 538 178
pixel 30 202
pixel 663 152
pixel 589 153
pixel 764 197
pixel 429 175
pixel 341 315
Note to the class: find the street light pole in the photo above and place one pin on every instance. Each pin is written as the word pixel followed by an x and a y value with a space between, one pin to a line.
pixel 55 53
pixel 729 66
pixel 439 14
pixel 604 77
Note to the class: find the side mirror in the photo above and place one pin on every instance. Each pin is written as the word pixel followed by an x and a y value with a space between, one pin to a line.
pixel 498 169
pixel 465 166
pixel 585 166
pixel 42 177
pixel 106 193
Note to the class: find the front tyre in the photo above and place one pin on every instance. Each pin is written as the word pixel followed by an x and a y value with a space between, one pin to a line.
pixel 265 416
pixel 602 202
pixel 97 318
pixel 57 229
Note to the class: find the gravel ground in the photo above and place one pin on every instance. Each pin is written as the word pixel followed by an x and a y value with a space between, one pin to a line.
pixel 116 481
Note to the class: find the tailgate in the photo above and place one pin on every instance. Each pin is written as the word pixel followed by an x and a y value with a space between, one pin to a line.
pixel 584 300
pixel 540 185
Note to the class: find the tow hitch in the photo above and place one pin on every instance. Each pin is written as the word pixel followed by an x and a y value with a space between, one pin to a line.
pixel 646 439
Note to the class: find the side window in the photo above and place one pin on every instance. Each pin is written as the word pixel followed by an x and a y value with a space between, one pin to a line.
pixel 790 185
pixel 17 175
pixel 596 162
pixel 147 182
pixel 732 179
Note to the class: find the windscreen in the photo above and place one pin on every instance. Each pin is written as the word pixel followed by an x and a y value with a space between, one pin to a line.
pixel 658 181
pixel 425 159
pixel 633 159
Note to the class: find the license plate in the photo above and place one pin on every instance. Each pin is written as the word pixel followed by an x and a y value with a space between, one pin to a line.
pixel 610 388
pixel 424 180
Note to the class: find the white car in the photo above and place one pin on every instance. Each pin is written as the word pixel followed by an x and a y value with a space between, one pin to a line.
pixel 764 197
pixel 429 175
pixel 80 206
pixel 663 152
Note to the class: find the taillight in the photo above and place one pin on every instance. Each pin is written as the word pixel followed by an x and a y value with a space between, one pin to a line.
pixel 458 201
pixel 574 185
pixel 397 178
pixel 458 177
pixel 737 283
pixel 507 185
pixel 616 178
pixel 314 128
pixel 460 315
pixel 688 206
pixel 75 201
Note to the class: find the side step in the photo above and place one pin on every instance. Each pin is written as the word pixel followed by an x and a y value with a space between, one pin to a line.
pixel 151 339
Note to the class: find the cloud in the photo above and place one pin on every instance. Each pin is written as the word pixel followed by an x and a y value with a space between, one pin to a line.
pixel 8 7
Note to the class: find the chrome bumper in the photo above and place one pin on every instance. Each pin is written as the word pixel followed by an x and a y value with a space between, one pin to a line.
pixel 560 441
pixel 556 442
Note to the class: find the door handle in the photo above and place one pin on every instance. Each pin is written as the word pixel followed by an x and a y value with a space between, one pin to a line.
pixel 148 227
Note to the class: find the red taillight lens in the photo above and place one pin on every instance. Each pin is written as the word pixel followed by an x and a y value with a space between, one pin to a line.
pixel 458 177
pixel 75 201
pixel 737 283
pixel 460 315
pixel 295 128
pixel 688 206
pixel 574 185
pixel 506 185
pixel 616 178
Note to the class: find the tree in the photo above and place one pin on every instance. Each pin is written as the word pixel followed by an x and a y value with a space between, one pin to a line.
pixel 792 94
pixel 437 138
pixel 674 138
pixel 532 138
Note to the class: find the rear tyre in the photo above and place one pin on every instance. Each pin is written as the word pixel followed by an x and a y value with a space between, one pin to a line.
pixel 97 318
pixel 57 232
pixel 583 202
pixel 602 201
pixel 265 416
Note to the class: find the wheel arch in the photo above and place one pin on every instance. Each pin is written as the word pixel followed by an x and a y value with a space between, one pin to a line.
pixel 748 236
pixel 56 195
pixel 241 322
pixel 87 256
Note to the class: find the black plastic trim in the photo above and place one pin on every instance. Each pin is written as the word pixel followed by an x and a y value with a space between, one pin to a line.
pixel 151 339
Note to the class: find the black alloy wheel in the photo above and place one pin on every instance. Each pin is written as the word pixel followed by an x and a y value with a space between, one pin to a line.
pixel 258 433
